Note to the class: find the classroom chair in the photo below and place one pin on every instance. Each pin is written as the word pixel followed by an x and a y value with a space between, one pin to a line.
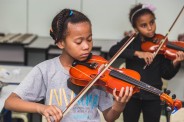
pixel 22 116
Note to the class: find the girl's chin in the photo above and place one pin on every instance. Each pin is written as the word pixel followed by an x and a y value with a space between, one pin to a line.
pixel 150 35
pixel 83 58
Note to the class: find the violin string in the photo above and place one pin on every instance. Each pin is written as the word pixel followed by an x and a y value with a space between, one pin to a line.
pixel 133 81
pixel 84 72
pixel 174 46
pixel 144 86
pixel 139 83
pixel 81 72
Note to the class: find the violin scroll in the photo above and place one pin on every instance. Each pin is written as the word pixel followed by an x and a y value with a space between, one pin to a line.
pixel 174 104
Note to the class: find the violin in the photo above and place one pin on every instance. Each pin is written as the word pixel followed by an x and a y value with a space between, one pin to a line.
pixel 168 49
pixel 82 73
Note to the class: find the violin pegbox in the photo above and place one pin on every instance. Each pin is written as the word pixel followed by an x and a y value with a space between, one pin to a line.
pixel 174 104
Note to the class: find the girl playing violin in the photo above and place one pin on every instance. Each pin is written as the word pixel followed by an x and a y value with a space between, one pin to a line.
pixel 142 19
pixel 72 33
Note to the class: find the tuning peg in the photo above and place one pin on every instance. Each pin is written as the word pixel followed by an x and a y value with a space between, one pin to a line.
pixel 167 91
pixel 173 96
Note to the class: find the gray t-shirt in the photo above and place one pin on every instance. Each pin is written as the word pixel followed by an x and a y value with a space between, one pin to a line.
pixel 48 81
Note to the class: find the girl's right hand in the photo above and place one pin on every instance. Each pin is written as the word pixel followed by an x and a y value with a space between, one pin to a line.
pixel 147 56
pixel 51 113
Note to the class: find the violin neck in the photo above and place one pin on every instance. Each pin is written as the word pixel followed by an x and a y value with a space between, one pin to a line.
pixel 173 46
pixel 135 82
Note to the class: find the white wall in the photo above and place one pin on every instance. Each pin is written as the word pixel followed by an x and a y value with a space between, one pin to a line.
pixel 13 16
pixel 41 13
pixel 109 17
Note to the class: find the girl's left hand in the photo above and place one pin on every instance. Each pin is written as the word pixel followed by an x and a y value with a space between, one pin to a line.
pixel 124 94
pixel 121 99
pixel 179 57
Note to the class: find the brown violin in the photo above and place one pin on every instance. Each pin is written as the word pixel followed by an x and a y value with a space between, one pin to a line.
pixel 83 72
pixel 168 49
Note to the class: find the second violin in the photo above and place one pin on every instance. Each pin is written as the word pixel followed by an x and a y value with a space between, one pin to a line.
pixel 169 49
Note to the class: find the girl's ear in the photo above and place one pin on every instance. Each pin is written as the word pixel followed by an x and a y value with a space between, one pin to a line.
pixel 60 44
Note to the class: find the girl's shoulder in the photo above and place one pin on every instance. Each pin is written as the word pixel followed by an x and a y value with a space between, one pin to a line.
pixel 49 65
pixel 49 62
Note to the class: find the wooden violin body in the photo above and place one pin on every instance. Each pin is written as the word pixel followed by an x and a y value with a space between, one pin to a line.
pixel 169 49
pixel 83 72
pixel 106 80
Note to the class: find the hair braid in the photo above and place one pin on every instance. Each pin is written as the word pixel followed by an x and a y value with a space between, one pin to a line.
pixel 60 23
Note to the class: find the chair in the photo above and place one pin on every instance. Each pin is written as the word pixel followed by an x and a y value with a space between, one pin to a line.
pixel 22 116
pixel 53 51
pixel 96 51
pixel 44 119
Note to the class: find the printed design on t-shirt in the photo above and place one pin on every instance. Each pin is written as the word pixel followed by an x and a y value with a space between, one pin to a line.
pixel 84 106
pixel 59 95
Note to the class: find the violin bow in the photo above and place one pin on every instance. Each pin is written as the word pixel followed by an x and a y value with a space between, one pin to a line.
pixel 104 68
pixel 164 40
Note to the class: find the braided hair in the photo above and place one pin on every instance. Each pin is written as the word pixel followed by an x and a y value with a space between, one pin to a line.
pixel 60 22
pixel 137 11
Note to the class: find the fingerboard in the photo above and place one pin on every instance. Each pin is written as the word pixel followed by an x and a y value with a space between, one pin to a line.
pixel 135 82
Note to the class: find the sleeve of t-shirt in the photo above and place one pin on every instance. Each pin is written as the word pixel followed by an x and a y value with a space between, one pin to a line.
pixel 32 88
pixel 105 101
